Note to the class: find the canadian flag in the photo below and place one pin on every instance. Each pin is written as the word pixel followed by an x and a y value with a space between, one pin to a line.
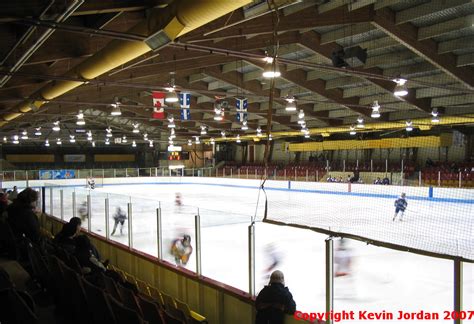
pixel 158 105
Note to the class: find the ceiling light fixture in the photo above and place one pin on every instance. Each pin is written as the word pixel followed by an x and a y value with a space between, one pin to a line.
pixel 238 139
pixel 223 134
pixel 108 131
pixel 435 114
pixel 190 142
pixel 134 144
pixel 409 125
pixel 171 122
pixel 72 139
pixel 151 143
pixel 135 129
pixel 46 142
pixel 270 137
pixel 24 135
pixel 360 122
pixel 197 140
pixel 58 141
pixel 259 131
pixel 16 139
pixel 213 141
pixel 80 119
pixel 56 127
pixel 203 130
pixel 375 109
pixel 271 69
pixel 124 139
pixel 93 143
pixel 171 96
pixel 116 108
pixel 352 130
pixel 244 125
pixel 290 103
pixel 401 89
pixel 38 131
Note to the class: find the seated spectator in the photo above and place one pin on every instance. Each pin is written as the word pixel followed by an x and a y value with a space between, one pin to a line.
pixel 329 179
pixel 340 179
pixel 86 258
pixel 3 205
pixel 65 238
pixel 22 217
pixel 274 301
pixel 385 181
pixel 378 181
pixel 348 178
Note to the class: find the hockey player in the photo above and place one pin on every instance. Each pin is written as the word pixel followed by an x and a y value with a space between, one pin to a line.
pixel 400 206
pixel 342 260
pixel 178 202
pixel 181 249
pixel 119 217
pixel 91 183
pixel 83 213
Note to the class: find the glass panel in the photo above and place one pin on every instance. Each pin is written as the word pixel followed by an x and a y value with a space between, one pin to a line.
pixel 81 205
pixel 98 212
pixel 118 204
pixel 225 234
pixel 144 224
pixel 57 202
pixel 177 221
pixel 298 254
pixel 468 288
pixel 120 173
pixel 376 279
pixel 68 212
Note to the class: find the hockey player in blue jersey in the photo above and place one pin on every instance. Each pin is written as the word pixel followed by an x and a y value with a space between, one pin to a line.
pixel 400 206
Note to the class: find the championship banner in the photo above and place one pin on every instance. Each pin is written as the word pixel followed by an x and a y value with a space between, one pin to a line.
pixel 185 103
pixel 241 105
pixel 158 105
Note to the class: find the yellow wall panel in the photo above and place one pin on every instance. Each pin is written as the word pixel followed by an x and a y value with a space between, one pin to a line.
pixel 420 141
pixel 114 157
pixel 30 158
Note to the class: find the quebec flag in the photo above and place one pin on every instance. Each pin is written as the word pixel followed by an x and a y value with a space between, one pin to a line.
pixel 241 105
pixel 185 103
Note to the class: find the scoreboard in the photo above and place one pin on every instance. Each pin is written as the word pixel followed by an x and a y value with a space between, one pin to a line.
pixel 174 156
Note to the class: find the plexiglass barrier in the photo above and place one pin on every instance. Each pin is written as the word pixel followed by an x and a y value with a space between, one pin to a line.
pixel 366 278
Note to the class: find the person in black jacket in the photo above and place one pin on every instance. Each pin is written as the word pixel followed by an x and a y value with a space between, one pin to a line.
pixel 65 238
pixel 274 301
pixel 22 217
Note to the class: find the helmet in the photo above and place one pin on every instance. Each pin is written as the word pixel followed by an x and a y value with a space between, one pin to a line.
pixel 186 237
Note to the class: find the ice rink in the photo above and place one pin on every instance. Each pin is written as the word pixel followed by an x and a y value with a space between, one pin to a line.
pixel 380 279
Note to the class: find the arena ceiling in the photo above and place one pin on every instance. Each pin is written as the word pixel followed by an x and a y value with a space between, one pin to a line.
pixel 47 43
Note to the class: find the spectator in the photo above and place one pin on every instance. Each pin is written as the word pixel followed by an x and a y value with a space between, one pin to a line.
pixel 429 163
pixel 378 181
pixel 385 181
pixel 65 238
pixel 274 301
pixel 3 205
pixel 329 179
pixel 22 218
pixel 348 178
pixel 13 194
pixel 86 257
